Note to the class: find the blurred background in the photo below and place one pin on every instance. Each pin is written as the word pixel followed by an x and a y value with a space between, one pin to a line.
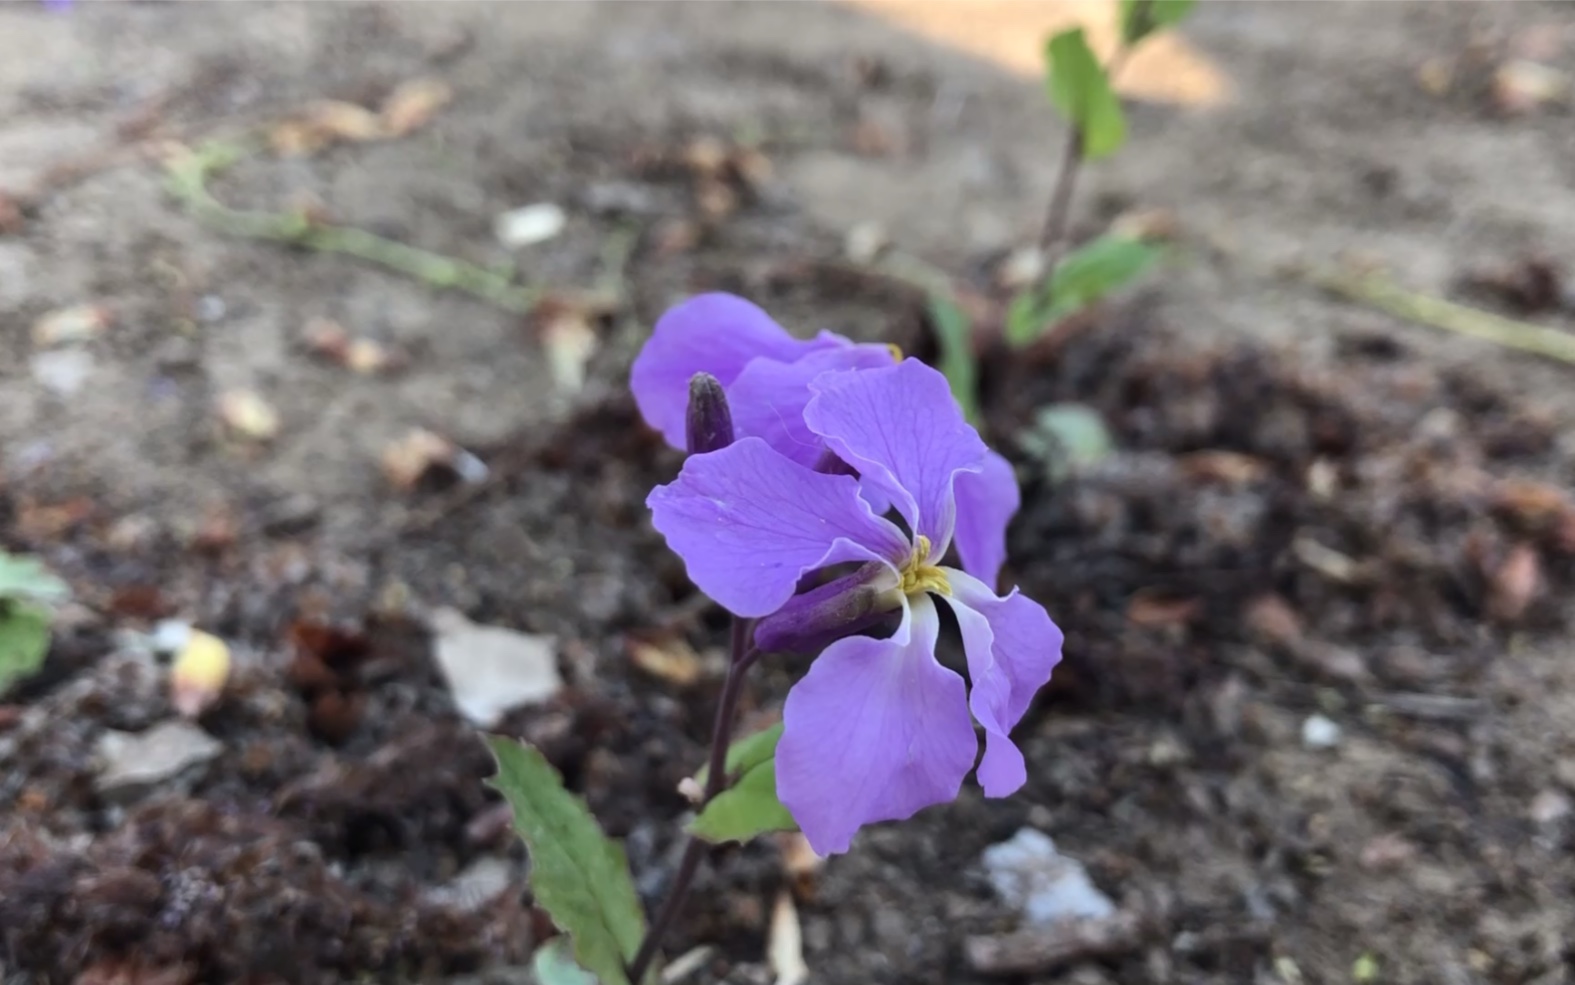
pixel 316 321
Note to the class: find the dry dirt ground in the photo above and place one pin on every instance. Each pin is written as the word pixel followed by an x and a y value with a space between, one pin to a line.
pixel 1315 508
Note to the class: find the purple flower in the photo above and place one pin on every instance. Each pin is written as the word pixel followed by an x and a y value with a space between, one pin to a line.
pixel 877 729
pixel 766 373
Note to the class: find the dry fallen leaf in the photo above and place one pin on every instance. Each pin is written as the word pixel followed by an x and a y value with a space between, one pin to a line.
pixel 669 658
pixel 248 415
pixel 322 124
pixel 1157 610
pixel 706 156
pixel 409 459
pixel 1227 467
pixel 413 105
pixel 570 341
pixel 799 862
pixel 199 673
pixel 78 323
pixel 1272 618
pixel 1514 584
pixel 786 945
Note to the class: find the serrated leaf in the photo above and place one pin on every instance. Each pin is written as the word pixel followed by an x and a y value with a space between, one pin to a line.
pixel 24 641
pixel 747 808
pixel 747 753
pixel 27 578
pixel 554 965
pixel 1140 18
pixel 953 333
pixel 579 875
pixel 1080 89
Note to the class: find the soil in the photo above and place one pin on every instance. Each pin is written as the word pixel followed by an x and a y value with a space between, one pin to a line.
pixel 1312 509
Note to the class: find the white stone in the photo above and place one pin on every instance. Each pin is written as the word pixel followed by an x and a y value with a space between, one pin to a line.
pixel 1043 884
pixel 491 671
pixel 1319 732
pixel 132 762
pixel 529 225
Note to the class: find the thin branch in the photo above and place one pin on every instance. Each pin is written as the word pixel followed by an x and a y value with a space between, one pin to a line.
pixel 188 183
pixel 1385 295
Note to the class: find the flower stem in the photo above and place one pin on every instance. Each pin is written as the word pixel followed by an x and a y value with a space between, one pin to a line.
pixel 742 657
pixel 1054 230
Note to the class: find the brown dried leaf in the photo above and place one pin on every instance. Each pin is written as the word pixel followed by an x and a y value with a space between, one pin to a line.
pixel 1514 584
pixel 1157 610
pixel 1272 618
pixel 412 457
pixel 413 105
pixel 1531 503
pixel 715 199
pixel 327 338
pixel 667 657
pixel 322 124
pixel 1228 467
pixel 706 156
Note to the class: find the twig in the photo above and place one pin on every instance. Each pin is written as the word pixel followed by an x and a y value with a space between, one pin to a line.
pixel 743 657
pixel 1385 295
pixel 1034 950
pixel 188 183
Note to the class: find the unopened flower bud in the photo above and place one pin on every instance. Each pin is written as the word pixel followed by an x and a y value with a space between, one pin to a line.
pixel 710 422
pixel 821 616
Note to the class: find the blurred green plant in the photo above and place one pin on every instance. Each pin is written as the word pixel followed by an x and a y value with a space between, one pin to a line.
pixel 1083 91
pixel 28 592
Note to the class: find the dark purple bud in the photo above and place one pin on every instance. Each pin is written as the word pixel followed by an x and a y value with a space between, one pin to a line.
pixel 821 616
pixel 710 423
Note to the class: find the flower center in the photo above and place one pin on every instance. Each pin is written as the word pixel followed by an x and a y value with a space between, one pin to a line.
pixel 919 575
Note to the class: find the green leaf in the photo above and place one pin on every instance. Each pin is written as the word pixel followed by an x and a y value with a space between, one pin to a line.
pixel 747 808
pixel 554 965
pixel 1067 438
pixel 747 753
pixel 27 578
pixel 1140 18
pixel 1080 89
pixel 579 875
pixel 1083 277
pixel 953 332
pixel 24 641
pixel 1097 268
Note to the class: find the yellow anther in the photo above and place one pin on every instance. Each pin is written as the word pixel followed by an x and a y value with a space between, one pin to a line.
pixel 896 352
pixel 919 575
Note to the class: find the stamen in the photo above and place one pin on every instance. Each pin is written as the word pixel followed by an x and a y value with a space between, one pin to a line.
pixel 919 575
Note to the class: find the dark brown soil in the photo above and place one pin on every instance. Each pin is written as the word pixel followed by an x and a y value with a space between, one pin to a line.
pixel 1312 509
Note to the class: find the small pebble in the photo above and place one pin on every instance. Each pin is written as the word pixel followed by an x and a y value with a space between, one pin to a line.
pixel 529 225
pixel 1319 732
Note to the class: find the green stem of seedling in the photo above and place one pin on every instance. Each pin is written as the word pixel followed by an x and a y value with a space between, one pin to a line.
pixel 1053 233
pixel 742 657
pixel 188 183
